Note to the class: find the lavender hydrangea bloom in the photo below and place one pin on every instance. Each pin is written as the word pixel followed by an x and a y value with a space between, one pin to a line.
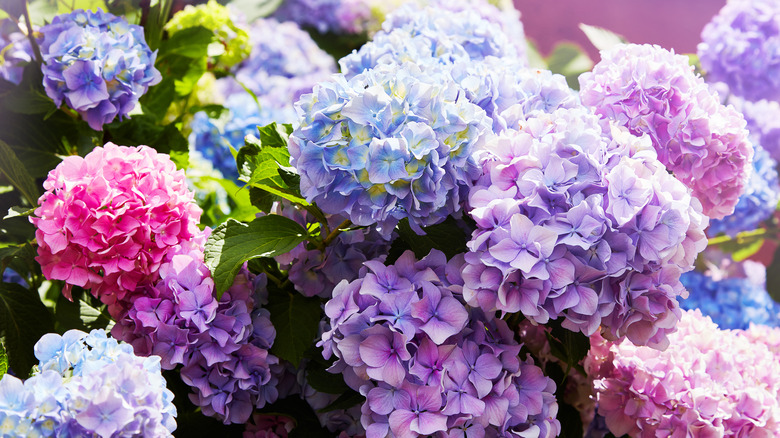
pixel 403 337
pixel 653 91
pixel 96 63
pixel 214 138
pixel 284 64
pixel 16 51
pixel 580 221
pixel 338 16
pixel 759 201
pixel 387 144
pixel 221 344
pixel 87 384
pixel 732 303
pixel 763 123
pixel 741 47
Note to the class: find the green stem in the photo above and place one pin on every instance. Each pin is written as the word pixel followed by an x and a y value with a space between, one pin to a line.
pixel 336 231
pixel 739 238
pixel 33 43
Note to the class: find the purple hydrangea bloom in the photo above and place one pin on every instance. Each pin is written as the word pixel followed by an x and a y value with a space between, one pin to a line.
pixel 763 123
pixel 652 91
pixel 221 344
pixel 284 64
pixel 580 221
pixel 87 384
pixel 403 337
pixel 16 51
pixel 741 47
pixel 759 201
pixel 337 16
pixel 97 64
pixel 389 143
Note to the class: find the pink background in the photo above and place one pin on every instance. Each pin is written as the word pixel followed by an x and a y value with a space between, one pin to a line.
pixel 672 24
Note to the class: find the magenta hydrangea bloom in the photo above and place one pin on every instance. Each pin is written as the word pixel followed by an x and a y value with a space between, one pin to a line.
pixel 709 382
pixel 741 47
pixel 107 220
pixel 652 91
pixel 427 365
pixel 578 221
pixel 97 63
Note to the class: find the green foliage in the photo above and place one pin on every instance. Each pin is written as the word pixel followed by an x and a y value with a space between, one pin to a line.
pixel 17 175
pixel 296 319
pixel 145 130
pixel 568 346
pixel 233 243
pixel 254 9
pixel 84 313
pixel 741 246
pixel 23 320
pixel 3 361
pixel 569 60
pixel 773 276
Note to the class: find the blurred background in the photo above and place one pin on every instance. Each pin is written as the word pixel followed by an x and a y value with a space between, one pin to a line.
pixel 672 24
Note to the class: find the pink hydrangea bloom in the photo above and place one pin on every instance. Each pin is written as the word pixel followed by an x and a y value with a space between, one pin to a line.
pixel 709 382
pixel 653 91
pixel 107 220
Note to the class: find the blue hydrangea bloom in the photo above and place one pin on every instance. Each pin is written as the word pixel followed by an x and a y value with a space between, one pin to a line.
pixel 387 144
pixel 759 201
pixel 97 64
pixel 732 303
pixel 87 385
pixel 11 276
pixel 337 16
pixel 741 47
pixel 213 138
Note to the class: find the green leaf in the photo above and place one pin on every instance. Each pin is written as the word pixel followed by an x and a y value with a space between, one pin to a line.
pixel 570 61
pixel 144 129
pixel 253 9
pixel 273 135
pixel 741 246
pixel 186 85
pixel 568 346
pixel 261 199
pixel 159 97
pixel 192 42
pixel 773 276
pixel 296 319
pixel 322 380
pixel 64 7
pixel 23 320
pixel 3 361
pixel 447 237
pixel 17 174
pixel 233 243
pixel 18 211
pixel 601 38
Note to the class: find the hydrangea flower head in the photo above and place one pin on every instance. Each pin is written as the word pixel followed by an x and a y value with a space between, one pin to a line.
pixel 577 222
pixel 427 365
pixel 233 40
pixel 652 91
pixel 759 201
pixel 741 47
pixel 387 144
pixel 107 220
pixel 284 63
pixel 708 381
pixel 96 63
pixel 763 123
pixel 336 16
pixel 15 51
pixel 87 385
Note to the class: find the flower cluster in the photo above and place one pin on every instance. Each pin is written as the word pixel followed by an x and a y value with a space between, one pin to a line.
pixel 653 91
pixel 232 41
pixel 335 16
pixel 316 272
pixel 106 221
pixel 214 138
pixel 425 363
pixel 222 344
pixel 709 382
pixel 741 47
pixel 763 123
pixel 387 144
pixel 97 63
pixel 759 201
pixel 15 51
pixel 573 221
pixel 87 385
pixel 269 426
pixel 453 42
pixel 284 64
pixel 732 302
